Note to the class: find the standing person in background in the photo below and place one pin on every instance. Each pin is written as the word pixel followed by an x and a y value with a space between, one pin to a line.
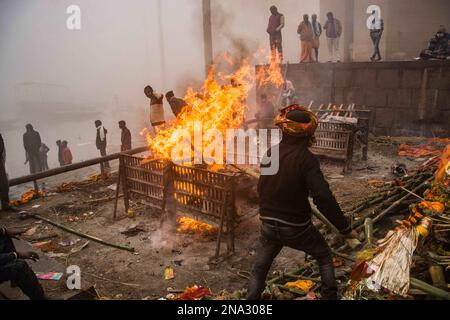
pixel 305 31
pixel 333 29
pixel 317 32
pixel 100 142
pixel 288 95
pixel 376 31
pixel 156 108
pixel 4 184
pixel 276 24
pixel 266 113
pixel 43 150
pixel 60 153
pixel 67 154
pixel 32 143
pixel 125 136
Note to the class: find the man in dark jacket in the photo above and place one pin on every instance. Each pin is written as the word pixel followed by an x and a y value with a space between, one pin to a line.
pixel 4 185
pixel 276 24
pixel 285 210
pixel 176 104
pixel 439 47
pixel 14 268
pixel 100 142
pixel 32 143
pixel 125 136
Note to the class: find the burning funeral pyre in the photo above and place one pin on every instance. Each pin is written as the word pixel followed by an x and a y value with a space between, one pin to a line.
pixel 220 105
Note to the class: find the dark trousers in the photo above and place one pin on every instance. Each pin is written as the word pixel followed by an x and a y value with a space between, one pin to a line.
pixel 274 236
pixel 276 46
pixel 19 272
pixel 103 154
pixel 44 162
pixel 4 186
pixel 376 38
pixel 34 160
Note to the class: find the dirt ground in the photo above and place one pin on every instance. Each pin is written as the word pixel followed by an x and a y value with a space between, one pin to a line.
pixel 119 274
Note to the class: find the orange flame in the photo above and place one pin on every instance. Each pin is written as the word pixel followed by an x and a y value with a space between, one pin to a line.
pixel 444 166
pixel 270 75
pixel 219 105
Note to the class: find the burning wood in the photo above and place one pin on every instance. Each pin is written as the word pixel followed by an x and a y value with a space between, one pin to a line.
pixel 200 129
pixel 192 226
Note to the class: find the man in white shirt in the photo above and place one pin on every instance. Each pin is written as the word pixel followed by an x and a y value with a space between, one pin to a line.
pixel 376 31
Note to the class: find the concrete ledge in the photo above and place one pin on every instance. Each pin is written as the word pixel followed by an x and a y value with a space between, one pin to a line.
pixel 413 95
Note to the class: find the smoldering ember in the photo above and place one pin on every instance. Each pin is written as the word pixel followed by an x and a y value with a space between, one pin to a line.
pixel 192 150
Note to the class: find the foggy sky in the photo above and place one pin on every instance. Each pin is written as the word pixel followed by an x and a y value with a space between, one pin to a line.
pixel 104 67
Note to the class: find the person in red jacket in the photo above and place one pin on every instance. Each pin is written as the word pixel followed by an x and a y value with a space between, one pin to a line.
pixel 276 24
pixel 67 154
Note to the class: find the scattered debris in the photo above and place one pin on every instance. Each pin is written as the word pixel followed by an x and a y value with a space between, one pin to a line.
pixel 56 276
pixel 30 231
pixel 168 273
pixel 399 169
pixel 303 285
pixel 68 187
pixel 419 152
pixel 134 230
pixel 68 243
pixel 27 197
pixel 194 293
pixel 44 246
pixel 81 234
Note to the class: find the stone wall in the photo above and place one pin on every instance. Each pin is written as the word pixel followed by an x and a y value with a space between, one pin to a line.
pixel 406 98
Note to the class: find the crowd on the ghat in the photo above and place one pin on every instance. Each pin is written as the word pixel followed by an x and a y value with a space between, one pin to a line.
pixel 310 31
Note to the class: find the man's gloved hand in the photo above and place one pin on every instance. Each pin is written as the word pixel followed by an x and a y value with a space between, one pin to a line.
pixel 28 255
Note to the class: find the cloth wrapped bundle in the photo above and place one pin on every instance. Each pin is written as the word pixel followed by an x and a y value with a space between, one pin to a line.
pixel 392 263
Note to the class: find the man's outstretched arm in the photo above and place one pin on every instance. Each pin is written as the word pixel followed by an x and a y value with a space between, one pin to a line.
pixel 322 196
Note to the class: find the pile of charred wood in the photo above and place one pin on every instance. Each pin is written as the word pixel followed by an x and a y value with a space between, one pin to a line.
pixel 403 251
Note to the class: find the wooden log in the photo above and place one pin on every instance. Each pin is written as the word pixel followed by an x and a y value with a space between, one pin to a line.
pixel 325 221
pixel 105 199
pixel 343 256
pixel 67 229
pixel 294 273
pixel 119 177
pixel 72 167
pixel 393 206
pixel 428 288
pixel 368 230
pixel 437 276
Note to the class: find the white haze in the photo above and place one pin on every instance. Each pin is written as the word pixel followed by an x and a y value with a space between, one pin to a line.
pixel 61 80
